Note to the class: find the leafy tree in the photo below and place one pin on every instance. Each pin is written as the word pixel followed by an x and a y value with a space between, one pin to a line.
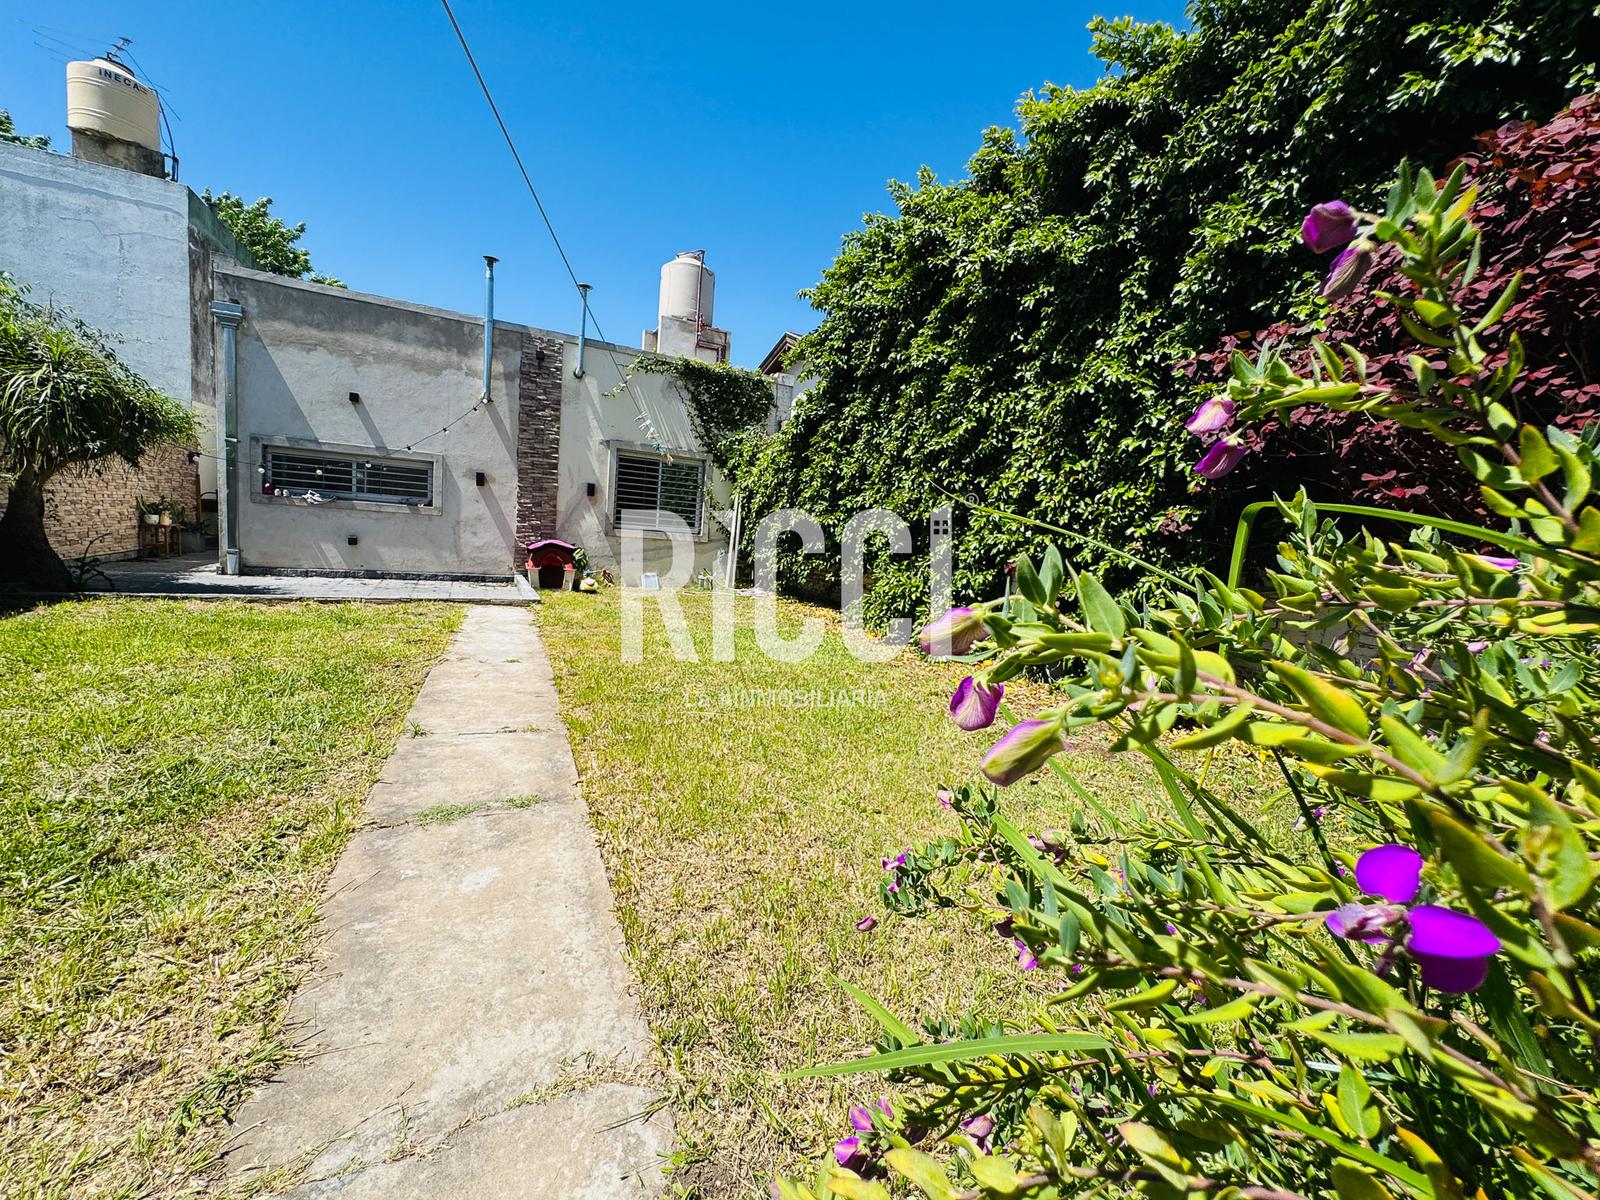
pixel 269 239
pixel 1011 336
pixel 66 402
pixel 8 133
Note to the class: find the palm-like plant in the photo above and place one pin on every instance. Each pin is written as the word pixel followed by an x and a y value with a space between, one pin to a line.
pixel 66 402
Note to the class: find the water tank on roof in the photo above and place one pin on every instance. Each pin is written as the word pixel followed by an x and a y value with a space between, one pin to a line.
pixel 688 287
pixel 104 99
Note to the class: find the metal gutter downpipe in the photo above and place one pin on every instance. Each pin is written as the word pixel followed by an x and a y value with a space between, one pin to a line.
pixel 489 261
pixel 583 328
pixel 229 314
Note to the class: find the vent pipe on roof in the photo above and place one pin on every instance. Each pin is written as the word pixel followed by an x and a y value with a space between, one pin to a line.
pixel 489 261
pixel 583 328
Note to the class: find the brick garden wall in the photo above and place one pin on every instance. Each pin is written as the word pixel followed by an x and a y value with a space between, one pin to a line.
pixel 538 439
pixel 81 506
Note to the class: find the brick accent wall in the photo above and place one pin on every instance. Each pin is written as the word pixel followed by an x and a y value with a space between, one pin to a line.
pixel 81 506
pixel 538 439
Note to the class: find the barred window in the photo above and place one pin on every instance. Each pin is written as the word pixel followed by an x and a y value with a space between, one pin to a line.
pixel 347 477
pixel 648 487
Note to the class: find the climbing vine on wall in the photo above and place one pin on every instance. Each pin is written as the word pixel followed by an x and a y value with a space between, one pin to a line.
pixel 728 406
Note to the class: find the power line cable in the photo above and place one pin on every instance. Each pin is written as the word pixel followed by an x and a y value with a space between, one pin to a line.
pixel 646 423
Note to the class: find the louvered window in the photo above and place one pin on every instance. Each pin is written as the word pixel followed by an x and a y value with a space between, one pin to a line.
pixel 647 488
pixel 343 477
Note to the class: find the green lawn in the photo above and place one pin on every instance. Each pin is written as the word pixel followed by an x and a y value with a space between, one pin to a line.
pixel 743 839
pixel 176 780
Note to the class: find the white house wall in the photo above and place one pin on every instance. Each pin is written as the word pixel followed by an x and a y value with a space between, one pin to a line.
pixel 599 416
pixel 302 349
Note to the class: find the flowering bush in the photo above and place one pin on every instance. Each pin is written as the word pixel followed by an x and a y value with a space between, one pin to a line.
pixel 1396 1001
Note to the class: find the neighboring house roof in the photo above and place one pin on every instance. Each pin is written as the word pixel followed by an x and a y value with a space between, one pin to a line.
pixel 773 363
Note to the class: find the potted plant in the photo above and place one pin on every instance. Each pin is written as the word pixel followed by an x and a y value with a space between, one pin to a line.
pixel 164 509
pixel 150 510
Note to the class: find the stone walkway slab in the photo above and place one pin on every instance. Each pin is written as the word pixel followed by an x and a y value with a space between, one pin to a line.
pixel 471 1029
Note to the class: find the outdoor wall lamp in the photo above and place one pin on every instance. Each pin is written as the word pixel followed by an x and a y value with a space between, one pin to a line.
pixel 538 355
pixel 589 488
pixel 482 479
pixel 352 540
pixel 355 397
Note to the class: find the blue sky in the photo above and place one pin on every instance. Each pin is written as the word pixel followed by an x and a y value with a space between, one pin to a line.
pixel 759 132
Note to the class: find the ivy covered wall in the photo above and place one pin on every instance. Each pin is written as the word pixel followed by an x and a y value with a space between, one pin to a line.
pixel 1014 335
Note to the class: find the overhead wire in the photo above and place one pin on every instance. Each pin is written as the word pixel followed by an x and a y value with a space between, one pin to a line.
pixel 646 422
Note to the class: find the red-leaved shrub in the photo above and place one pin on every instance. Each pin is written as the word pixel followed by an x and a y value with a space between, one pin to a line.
pixel 1540 215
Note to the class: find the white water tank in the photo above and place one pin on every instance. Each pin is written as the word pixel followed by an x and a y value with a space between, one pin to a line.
pixel 104 99
pixel 688 287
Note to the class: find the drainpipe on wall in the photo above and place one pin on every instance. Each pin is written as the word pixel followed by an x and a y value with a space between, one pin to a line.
pixel 583 328
pixel 229 314
pixel 489 261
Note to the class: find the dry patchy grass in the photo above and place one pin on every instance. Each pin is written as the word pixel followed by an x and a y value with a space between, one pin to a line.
pixel 743 827
pixel 176 781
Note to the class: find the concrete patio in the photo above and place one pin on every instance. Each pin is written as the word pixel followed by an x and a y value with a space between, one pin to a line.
pixel 195 576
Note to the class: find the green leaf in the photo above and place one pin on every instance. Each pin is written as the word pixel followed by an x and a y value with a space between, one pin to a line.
pixel 1554 849
pixel 994 1174
pixel 1410 747
pixel 1385 789
pixel 1351 1150
pixel 1028 582
pixel 887 1021
pixel 1326 701
pixel 1478 864
pixel 1217 731
pixel 1352 1184
pixel 922 1171
pixel 1052 574
pixel 1435 314
pixel 1362 1047
pixel 1100 611
pixel 1151 1145
pixel 1538 460
pixel 1361 1116
pixel 934 1053
pixel 1234 1010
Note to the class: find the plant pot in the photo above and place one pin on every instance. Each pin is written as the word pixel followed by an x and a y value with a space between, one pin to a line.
pixel 152 518
pixel 166 518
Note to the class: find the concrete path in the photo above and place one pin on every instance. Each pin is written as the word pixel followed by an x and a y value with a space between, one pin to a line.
pixel 195 576
pixel 471 1032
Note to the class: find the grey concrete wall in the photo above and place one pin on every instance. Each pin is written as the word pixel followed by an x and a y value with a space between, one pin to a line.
pixel 111 245
pixel 302 349
pixel 599 417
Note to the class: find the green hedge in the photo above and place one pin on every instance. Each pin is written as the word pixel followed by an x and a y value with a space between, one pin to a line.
pixel 1012 336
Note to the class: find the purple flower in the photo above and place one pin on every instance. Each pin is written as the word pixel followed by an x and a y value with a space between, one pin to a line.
pixel 1025 958
pixel 1393 872
pixel 1213 416
pixel 944 796
pixel 974 704
pixel 848 1153
pixel 1504 564
pixel 1349 269
pixel 1452 949
pixel 867 924
pixel 1025 748
pixel 1477 647
pixel 860 1119
pixel 1328 226
pixel 953 634
pixel 979 1129
pixel 885 1107
pixel 1220 459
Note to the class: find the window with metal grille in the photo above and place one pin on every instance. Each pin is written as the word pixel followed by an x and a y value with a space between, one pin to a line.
pixel 346 477
pixel 648 487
